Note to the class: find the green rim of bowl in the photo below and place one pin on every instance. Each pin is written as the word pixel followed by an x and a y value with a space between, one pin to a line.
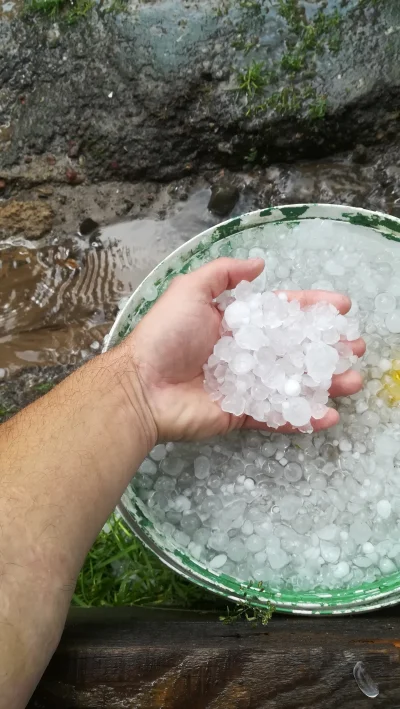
pixel 365 597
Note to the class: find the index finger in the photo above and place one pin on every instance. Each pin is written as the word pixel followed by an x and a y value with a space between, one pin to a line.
pixel 310 297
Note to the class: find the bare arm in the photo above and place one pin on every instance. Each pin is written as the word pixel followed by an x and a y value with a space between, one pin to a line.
pixel 64 462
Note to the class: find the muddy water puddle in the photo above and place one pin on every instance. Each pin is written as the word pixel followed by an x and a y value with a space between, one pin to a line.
pixel 58 301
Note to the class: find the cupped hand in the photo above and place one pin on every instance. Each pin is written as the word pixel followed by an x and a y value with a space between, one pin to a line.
pixel 174 340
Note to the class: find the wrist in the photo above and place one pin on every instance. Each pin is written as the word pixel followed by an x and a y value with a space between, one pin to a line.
pixel 128 386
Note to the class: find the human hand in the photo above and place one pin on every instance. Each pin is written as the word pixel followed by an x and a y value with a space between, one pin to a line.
pixel 174 340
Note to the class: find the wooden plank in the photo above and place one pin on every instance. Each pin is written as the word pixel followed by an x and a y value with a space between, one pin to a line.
pixel 133 659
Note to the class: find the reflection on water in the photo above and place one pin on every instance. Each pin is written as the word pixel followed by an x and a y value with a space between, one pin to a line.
pixel 138 246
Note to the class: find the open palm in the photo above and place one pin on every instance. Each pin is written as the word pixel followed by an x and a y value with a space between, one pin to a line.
pixel 175 339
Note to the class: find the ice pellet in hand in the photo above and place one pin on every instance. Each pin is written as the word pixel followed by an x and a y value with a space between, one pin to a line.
pixel 290 353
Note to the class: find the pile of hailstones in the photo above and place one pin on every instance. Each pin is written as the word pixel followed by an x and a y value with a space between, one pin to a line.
pixel 302 511
pixel 275 361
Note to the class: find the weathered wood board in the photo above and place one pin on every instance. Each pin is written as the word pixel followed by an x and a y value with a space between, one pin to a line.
pixel 124 658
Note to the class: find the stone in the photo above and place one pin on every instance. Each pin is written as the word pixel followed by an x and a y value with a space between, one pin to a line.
pixel 360 155
pixel 45 191
pixel 88 226
pixel 223 198
pixel 73 149
pixel 73 177
pixel 31 219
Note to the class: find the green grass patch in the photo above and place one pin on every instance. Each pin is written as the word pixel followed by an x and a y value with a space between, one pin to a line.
pixel 119 571
pixel 48 8
pixel 253 79
pixel 293 62
pixel 117 7
pixel 368 3
pixel 252 155
pixel 251 6
pixel 244 612
pixel 291 100
pixel 71 11
pixel 44 387
pixel 318 109
pixel 7 410
pixel 306 40
pixel 292 12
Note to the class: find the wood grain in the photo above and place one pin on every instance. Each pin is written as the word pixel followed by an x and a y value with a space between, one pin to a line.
pixel 123 658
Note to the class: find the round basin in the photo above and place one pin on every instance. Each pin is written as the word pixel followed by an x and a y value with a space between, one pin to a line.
pixel 222 240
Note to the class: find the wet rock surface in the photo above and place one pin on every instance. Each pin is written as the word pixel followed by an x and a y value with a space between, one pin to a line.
pixel 166 88
pixel 71 205
pixel 224 196
pixel 30 219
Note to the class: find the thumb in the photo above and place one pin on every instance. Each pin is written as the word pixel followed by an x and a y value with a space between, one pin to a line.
pixel 224 274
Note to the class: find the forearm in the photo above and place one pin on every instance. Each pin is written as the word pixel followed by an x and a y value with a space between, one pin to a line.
pixel 64 462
